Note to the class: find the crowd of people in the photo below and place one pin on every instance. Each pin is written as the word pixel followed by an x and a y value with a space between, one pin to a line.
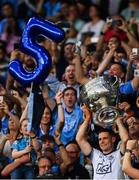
pixel 101 40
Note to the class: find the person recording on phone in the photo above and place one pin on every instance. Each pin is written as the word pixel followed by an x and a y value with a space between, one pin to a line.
pixel 117 26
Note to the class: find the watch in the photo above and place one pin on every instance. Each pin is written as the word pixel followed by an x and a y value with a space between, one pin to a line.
pixel 128 150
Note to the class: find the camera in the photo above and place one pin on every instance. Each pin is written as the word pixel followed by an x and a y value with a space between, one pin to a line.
pixel 117 22
pixel 136 73
pixel 109 20
pixel 135 51
pixel 114 22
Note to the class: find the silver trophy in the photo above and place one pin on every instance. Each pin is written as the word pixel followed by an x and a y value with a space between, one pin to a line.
pixel 100 96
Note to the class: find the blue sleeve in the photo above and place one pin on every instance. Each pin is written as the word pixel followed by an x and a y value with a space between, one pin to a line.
pixel 126 88
pixel 81 116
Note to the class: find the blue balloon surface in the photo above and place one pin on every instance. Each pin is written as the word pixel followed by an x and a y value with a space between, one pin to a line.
pixel 36 26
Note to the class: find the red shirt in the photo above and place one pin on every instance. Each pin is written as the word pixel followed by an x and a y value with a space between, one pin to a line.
pixel 111 32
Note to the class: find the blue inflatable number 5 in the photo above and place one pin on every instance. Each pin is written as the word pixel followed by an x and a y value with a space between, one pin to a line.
pixel 36 26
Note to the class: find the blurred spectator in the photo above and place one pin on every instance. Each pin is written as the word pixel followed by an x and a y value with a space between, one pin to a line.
pixel 65 59
pixel 83 7
pixel 64 10
pixel 95 25
pixel 11 33
pixel 46 123
pixel 26 144
pixel 27 9
pixel 133 125
pixel 70 79
pixel 111 8
pixel 47 141
pixel 44 165
pixel 131 148
pixel 52 8
pixel 75 21
pixel 8 11
pixel 132 10
pixel 4 61
pixel 5 108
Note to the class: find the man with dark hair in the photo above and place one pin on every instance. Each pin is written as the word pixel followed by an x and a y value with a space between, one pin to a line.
pixel 106 161
pixel 44 165
pixel 117 69
pixel 70 79
pixel 70 111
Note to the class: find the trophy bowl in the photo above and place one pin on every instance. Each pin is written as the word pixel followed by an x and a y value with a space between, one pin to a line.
pixel 100 96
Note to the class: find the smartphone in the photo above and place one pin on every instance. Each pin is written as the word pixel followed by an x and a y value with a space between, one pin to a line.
pixel 1 99
pixel 135 51
pixel 77 49
pixel 94 39
pixel 117 22
pixel 136 73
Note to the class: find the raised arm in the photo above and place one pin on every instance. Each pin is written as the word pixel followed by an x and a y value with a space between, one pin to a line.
pixel 135 82
pixel 10 167
pixel 47 99
pixel 101 40
pixel 129 73
pixel 24 114
pixel 17 154
pixel 132 40
pixel 63 153
pixel 78 69
pixel 123 133
pixel 61 118
pixel 103 65
pixel 81 137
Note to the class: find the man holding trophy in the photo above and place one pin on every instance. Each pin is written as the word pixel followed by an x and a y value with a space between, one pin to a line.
pixel 100 99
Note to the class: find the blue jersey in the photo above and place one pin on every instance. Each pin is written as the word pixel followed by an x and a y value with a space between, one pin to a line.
pixel 21 144
pixel 72 122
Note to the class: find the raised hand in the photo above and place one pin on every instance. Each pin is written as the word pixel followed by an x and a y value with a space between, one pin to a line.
pixel 131 144
pixel 58 97
pixel 4 107
pixel 87 113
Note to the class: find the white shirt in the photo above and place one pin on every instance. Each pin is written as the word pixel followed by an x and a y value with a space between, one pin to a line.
pixel 89 27
pixel 107 166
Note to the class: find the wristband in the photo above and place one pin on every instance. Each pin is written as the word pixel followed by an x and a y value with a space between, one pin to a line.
pixel 59 104
pixel 33 137
pixel 59 145
pixel 128 151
